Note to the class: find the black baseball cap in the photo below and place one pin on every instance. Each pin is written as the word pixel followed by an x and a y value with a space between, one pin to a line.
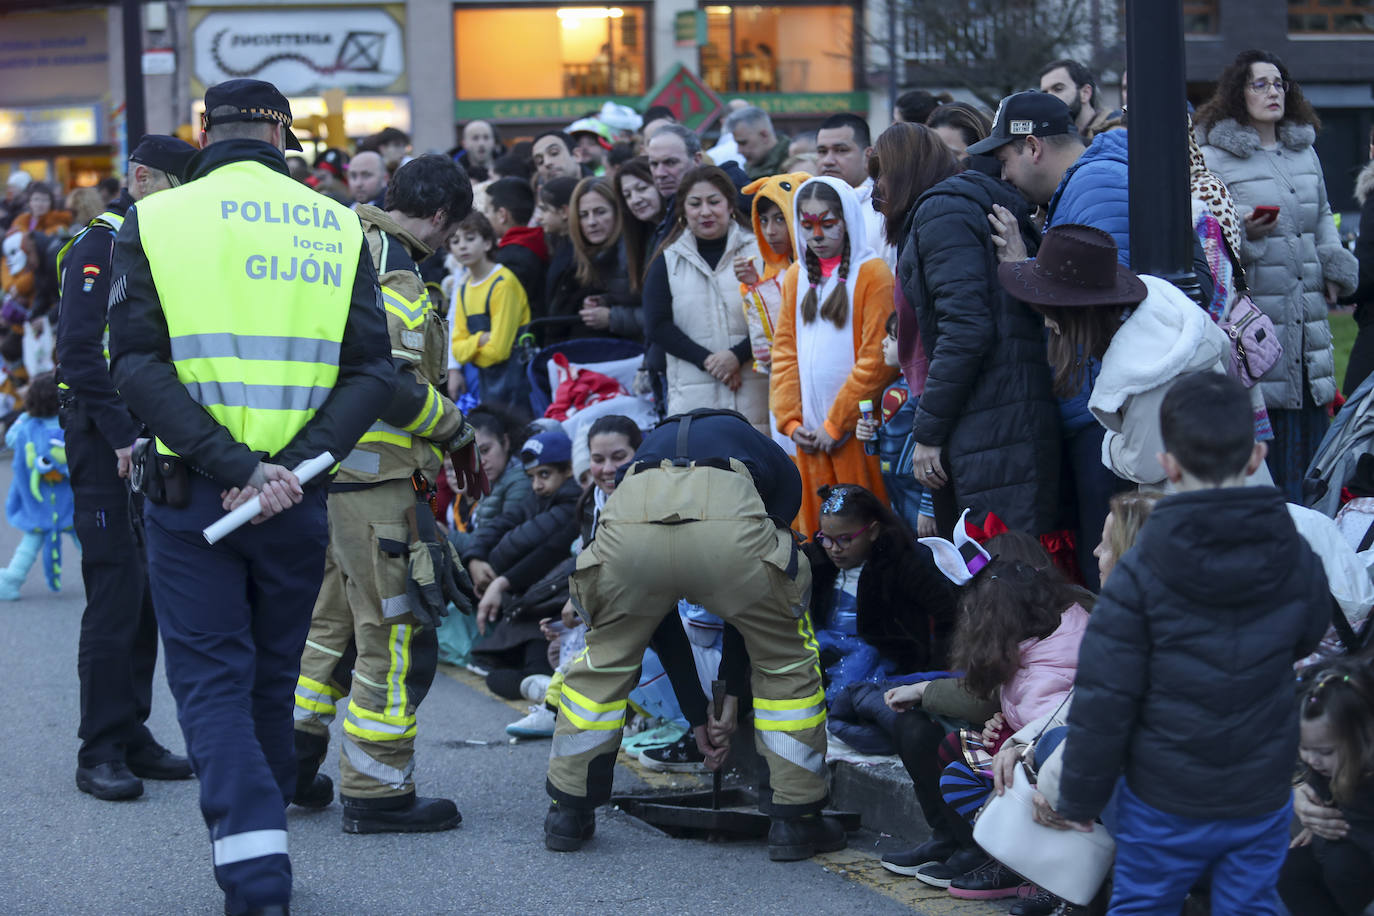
pixel 1026 114
pixel 165 153
pixel 255 100
pixel 334 161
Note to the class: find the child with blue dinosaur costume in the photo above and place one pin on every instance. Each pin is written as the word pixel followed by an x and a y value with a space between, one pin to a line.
pixel 40 496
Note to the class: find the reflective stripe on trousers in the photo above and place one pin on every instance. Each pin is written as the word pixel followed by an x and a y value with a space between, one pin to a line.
pixel 393 722
pixel 251 844
pixel 361 761
pixel 315 700
pixel 789 715
pixel 792 750
pixel 588 714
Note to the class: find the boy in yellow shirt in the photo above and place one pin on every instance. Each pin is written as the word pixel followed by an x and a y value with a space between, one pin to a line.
pixel 492 308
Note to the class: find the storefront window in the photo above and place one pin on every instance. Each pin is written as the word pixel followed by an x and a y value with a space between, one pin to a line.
pixel 1331 16
pixel 1200 17
pixel 779 49
pixel 549 52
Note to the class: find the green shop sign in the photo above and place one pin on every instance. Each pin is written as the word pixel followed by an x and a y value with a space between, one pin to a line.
pixel 800 103
pixel 698 107
pixel 533 109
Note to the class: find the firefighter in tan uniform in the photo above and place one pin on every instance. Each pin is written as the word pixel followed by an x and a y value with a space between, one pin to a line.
pixel 372 634
pixel 698 515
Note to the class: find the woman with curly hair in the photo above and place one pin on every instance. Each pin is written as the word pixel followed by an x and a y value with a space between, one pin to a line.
pixel 1257 132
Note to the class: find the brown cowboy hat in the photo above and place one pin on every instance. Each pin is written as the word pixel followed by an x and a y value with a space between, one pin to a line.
pixel 1075 267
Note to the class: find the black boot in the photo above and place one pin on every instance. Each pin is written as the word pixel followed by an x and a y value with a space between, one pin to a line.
pixel 318 794
pixel 398 814
pixel 567 828
pixel 153 761
pixel 109 781
pixel 310 751
pixel 793 838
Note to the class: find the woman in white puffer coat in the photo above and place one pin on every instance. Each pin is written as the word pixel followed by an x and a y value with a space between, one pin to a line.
pixel 1257 133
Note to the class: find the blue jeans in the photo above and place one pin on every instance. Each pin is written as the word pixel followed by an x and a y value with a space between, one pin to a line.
pixel 1160 856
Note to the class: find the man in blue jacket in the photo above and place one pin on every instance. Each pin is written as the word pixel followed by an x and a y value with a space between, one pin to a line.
pixel 1043 156
pixel 1035 139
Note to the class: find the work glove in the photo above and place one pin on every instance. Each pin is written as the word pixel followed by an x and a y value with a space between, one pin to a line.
pixel 462 449
pixel 435 580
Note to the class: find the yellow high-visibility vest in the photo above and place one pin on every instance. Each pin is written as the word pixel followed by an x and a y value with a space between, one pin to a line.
pixel 255 272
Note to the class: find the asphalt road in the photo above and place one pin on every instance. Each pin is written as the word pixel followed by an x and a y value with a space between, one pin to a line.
pixel 65 852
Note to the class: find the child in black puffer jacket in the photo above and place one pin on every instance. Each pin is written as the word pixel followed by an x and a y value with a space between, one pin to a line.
pixel 1185 680
pixel 535 541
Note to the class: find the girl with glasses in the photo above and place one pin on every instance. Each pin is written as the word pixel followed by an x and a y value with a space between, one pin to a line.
pixel 879 603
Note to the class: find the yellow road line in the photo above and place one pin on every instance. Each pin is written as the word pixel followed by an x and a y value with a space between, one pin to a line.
pixel 863 867
pixel 860 866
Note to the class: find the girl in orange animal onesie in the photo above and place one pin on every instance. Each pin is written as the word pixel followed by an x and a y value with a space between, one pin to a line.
pixel 772 217
pixel 828 349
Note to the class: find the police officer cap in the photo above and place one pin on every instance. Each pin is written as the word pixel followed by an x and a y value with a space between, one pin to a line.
pixel 255 100
pixel 166 153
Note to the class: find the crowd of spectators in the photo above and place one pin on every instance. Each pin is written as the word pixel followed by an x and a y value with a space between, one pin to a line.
pixel 990 413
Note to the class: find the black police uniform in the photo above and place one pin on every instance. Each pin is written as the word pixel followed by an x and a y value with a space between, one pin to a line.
pixel 118 647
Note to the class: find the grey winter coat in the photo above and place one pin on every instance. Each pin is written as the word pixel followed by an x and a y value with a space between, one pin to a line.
pixel 1288 269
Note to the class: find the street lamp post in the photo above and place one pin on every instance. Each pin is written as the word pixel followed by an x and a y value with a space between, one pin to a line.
pixel 1161 208
pixel 135 110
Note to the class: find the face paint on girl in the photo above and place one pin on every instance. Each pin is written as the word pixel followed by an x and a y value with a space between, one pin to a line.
pixel 823 229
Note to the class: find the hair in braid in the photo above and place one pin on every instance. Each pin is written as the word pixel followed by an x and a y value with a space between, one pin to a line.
pixel 813 276
pixel 836 306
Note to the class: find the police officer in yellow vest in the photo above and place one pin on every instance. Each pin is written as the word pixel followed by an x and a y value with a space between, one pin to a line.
pixel 118 649
pixel 366 639
pixel 247 332
pixel 700 515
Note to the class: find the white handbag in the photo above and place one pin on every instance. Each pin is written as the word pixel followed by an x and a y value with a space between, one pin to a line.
pixel 1067 863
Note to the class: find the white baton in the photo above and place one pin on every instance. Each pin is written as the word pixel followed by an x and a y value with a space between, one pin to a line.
pixel 253 508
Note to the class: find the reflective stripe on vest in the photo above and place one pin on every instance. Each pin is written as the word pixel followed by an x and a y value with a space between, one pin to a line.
pixel 255 273
pixel 412 315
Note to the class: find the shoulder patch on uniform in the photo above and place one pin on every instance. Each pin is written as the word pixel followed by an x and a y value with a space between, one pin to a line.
pixel 413 340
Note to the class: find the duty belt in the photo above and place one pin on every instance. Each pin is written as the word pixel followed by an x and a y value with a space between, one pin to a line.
pixel 720 464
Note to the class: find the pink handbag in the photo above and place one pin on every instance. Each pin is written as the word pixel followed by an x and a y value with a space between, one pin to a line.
pixel 1255 346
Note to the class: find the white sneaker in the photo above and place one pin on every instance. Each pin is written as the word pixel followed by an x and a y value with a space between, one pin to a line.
pixel 538 724
pixel 534 687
